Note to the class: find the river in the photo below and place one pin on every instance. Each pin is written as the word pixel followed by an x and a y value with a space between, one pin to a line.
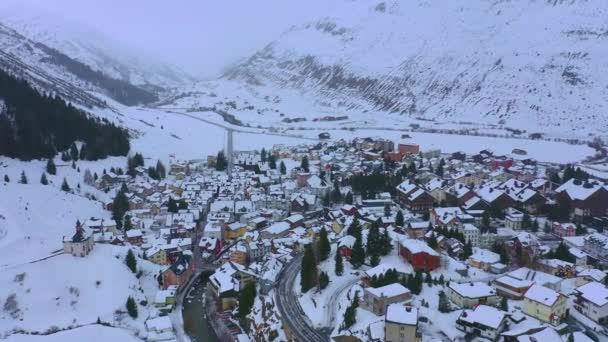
pixel 195 324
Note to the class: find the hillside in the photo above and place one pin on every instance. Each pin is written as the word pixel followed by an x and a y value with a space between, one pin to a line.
pixel 33 125
pixel 524 63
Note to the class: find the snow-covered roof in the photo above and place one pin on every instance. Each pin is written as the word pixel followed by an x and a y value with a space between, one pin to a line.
pixel 417 246
pixel 594 292
pixel 277 228
pixel 542 295
pixel 390 290
pixel 593 273
pixel 485 256
pixel 347 241
pixel 579 190
pixel 134 233
pixel 473 289
pixel 401 314
pixel 485 315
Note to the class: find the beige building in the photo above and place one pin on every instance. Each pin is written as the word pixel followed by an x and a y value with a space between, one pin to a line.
pixel 468 295
pixel 80 244
pixel 545 304
pixel 401 324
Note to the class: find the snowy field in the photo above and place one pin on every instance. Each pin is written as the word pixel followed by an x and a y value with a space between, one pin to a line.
pixel 92 333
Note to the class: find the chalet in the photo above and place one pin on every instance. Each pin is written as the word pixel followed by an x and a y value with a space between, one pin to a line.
pixel 483 321
pixel 587 198
pixel 179 273
pixel 235 230
pixel 419 254
pixel 557 267
pixel 378 299
pixel 349 210
pixel 419 201
pixel 545 304
pixel 345 246
pixel 417 230
pixel 495 198
pixel 591 300
pixel 514 219
pixel 295 221
pixel 469 295
pixel 135 237
pixel 458 194
pixel 483 259
pixel 80 244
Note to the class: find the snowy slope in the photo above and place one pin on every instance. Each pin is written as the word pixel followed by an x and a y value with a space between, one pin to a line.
pixel 95 333
pixel 529 63
pixel 93 48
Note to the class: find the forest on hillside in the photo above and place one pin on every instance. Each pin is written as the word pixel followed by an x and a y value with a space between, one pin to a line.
pixel 35 125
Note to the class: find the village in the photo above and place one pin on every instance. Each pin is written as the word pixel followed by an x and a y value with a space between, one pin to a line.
pixel 364 240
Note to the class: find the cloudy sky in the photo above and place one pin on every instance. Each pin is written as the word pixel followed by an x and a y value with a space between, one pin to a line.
pixel 201 36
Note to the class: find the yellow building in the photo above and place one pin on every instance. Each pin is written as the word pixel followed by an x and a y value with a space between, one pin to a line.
pixel 545 304
pixel 157 255
pixel 235 230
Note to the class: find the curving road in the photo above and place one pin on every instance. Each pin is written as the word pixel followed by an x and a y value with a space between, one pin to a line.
pixel 290 309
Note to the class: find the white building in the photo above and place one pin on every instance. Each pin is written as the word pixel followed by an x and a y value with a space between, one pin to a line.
pixel 591 300
pixel 471 234
pixel 80 244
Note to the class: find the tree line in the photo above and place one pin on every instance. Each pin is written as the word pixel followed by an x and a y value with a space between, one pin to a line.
pixel 36 126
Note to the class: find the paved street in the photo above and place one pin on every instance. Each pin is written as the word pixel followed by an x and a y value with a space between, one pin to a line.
pixel 290 308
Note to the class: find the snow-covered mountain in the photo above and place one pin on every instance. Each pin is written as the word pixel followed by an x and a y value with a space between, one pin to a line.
pixel 52 71
pixel 529 63
pixel 94 49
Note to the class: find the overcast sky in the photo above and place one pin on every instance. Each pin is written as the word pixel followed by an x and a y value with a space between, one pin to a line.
pixel 201 36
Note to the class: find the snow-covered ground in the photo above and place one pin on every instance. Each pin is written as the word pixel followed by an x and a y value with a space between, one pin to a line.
pixel 92 333
pixel 66 291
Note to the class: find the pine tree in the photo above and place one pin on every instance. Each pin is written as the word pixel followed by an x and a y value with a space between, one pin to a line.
pixel 339 267
pixel 323 245
pixel 349 198
pixel 127 225
pixel 160 169
pixel 263 155
pixel 323 280
pixel 308 272
pixel 120 206
pixel 65 186
pixel 74 153
pixel 6 179
pixel 350 315
pixel 131 261
pixel 467 250
pixel 535 227
pixel 387 209
pixel 432 241
pixel 547 227
pixel 43 179
pixel 132 307
pixel 83 152
pixel 374 260
pixel 336 194
pixel 221 162
pixel 444 304
pixel 246 300
pixel 272 162
pixel 504 304
pixel 399 220
pixel 304 164
pixel 358 255
pixel 386 245
pixel 427 279
pixel 172 205
pixel 88 178
pixel 23 178
pixel 51 169
pixel 282 168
